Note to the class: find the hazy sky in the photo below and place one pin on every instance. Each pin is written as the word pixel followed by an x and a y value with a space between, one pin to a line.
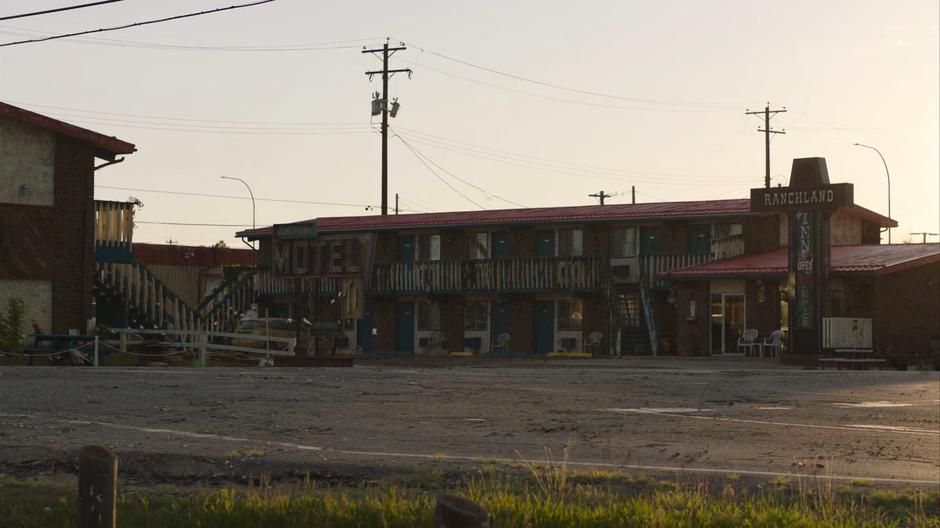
pixel 671 82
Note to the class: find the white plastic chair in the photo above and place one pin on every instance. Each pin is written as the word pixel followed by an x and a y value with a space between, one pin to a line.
pixel 747 341
pixel 502 343
pixel 593 343
pixel 772 343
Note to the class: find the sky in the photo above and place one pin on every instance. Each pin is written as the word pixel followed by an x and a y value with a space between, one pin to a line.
pixel 531 103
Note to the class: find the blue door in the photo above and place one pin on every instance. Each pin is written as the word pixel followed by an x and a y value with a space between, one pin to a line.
pixel 406 248
pixel 364 329
pixel 544 327
pixel 545 243
pixel 405 328
pixel 651 240
pixel 501 245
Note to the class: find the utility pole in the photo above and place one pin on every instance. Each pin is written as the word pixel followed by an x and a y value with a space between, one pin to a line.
pixel 925 235
pixel 385 72
pixel 601 195
pixel 767 112
pixel 396 203
pixel 633 194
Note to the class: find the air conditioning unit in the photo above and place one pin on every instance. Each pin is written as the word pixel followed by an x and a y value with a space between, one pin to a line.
pixel 625 270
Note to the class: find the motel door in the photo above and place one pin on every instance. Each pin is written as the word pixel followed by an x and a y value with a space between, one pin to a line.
pixel 727 322
pixel 501 245
pixel 405 328
pixel 499 312
pixel 545 243
pixel 544 327
pixel 406 248
pixel 364 329
pixel 651 240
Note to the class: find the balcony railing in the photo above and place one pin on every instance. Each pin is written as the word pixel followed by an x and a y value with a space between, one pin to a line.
pixel 466 276
pixel 114 224
pixel 651 265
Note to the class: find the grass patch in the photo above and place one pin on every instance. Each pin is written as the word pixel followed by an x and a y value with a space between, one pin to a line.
pixel 594 499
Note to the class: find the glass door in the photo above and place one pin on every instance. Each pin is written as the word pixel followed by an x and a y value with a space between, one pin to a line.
pixel 727 322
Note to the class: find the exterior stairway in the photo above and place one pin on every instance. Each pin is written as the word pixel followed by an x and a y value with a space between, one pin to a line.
pixel 130 295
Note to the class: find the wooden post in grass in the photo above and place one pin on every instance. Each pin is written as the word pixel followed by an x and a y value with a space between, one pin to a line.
pixel 97 487
pixel 458 512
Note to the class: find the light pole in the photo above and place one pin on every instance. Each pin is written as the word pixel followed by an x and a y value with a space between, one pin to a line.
pixel 252 198
pixel 888 174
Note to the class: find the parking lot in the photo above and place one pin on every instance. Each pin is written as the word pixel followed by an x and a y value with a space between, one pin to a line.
pixel 690 418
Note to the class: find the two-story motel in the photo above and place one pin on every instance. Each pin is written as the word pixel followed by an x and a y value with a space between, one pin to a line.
pixel 532 281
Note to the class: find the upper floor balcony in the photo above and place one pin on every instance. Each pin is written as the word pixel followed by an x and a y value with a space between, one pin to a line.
pixel 482 276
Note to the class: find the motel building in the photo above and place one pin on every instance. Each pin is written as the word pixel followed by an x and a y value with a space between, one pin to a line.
pixel 670 278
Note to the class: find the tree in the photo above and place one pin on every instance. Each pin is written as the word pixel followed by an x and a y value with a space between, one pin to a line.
pixel 220 244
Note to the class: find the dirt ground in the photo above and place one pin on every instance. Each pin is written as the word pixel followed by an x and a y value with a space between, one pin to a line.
pixel 697 418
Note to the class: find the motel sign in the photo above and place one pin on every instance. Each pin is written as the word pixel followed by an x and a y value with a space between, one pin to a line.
pixel 808 202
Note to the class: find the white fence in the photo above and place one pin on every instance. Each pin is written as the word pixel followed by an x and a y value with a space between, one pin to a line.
pixel 203 342
pixel 846 332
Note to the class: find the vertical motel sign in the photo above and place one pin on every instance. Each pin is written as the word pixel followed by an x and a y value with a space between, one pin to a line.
pixel 808 202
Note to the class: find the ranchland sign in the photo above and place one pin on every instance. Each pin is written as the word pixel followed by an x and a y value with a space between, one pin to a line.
pixel 323 256
pixel 789 199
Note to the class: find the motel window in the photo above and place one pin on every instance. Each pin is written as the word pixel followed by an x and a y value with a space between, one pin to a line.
pixel 623 242
pixel 570 315
pixel 479 246
pixel 726 231
pixel 429 247
pixel 475 316
pixel 570 242
pixel 429 316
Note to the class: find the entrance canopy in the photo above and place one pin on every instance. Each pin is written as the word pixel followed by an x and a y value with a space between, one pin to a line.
pixel 868 259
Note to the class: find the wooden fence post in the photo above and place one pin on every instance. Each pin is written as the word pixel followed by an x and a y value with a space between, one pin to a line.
pixel 458 512
pixel 97 487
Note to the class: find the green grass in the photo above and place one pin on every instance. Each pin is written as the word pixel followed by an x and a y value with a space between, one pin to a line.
pixel 585 500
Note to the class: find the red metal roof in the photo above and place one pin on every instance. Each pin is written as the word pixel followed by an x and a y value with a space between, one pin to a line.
pixel 542 215
pixel 880 260
pixel 201 256
pixel 106 147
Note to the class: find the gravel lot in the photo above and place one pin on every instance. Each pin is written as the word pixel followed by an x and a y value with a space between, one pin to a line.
pixel 686 417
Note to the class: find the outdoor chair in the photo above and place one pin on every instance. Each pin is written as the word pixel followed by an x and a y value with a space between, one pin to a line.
pixel 747 341
pixel 771 345
pixel 437 344
pixel 593 343
pixel 501 344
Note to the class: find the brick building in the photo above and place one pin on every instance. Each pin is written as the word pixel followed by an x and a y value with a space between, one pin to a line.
pixel 47 216
pixel 550 279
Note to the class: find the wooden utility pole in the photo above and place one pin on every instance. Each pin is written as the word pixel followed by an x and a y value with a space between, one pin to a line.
pixel 385 72
pixel 767 112
pixel 396 203
pixel 97 487
pixel 601 196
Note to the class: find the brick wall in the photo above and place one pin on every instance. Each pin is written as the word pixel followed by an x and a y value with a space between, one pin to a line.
pixel 762 234
pixel 907 313
pixel 73 238
pixel 383 320
pixel 522 242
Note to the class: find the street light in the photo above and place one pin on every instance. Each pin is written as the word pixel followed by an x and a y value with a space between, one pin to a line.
pixel 889 182
pixel 252 198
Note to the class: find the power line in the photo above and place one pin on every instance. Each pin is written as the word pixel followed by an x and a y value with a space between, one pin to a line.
pixel 560 168
pixel 233 197
pixel 58 10
pixel 563 100
pixel 439 177
pixel 562 164
pixel 136 24
pixel 120 43
pixel 189 119
pixel 575 90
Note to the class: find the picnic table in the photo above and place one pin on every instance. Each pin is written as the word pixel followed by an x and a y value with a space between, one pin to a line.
pixel 56 345
pixel 853 359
